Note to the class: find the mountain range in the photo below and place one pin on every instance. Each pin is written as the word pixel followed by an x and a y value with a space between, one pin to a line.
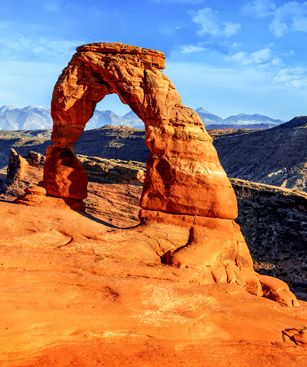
pixel 33 118
pixel 27 118
pixel 241 120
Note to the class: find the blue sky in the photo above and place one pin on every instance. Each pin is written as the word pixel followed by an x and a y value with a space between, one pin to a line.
pixel 226 56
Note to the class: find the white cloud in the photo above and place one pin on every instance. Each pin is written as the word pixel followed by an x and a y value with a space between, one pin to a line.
pixel 210 24
pixel 278 27
pixel 261 57
pixel 236 44
pixel 16 47
pixel 234 89
pixel 168 30
pixel 231 28
pixel 299 24
pixel 259 8
pixel 288 17
pixel 207 19
pixel 188 49
pixel 292 77
pixel 277 73
pixel 291 16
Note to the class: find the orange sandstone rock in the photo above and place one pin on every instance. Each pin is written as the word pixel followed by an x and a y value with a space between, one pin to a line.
pixel 183 171
pixel 80 293
pixel 17 167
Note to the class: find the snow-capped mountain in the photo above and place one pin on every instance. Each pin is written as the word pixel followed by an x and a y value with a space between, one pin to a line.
pixel 245 119
pixel 33 118
pixel 241 120
pixel 27 118
pixel 101 118
pixel 107 117
pixel 132 120
pixel 208 117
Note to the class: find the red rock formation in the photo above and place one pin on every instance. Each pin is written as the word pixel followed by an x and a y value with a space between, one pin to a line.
pixel 185 184
pixel 16 168
pixel 79 293
pixel 183 172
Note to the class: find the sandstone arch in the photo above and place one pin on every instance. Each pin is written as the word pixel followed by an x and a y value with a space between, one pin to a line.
pixel 185 184
pixel 183 172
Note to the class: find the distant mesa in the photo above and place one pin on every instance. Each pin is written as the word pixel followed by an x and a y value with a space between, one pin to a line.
pixel 37 118
pixel 208 117
pixel 276 156
pixel 245 119
pixel 296 122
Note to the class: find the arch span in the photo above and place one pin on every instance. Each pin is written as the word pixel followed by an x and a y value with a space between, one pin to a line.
pixel 183 176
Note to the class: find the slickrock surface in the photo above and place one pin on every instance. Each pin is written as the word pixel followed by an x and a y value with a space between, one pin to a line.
pixel 78 293
pixel 114 188
pixel 73 296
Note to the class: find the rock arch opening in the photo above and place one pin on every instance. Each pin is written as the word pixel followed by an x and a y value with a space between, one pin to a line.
pixel 111 111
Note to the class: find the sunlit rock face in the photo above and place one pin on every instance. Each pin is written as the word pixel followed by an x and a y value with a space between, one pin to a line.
pixel 184 175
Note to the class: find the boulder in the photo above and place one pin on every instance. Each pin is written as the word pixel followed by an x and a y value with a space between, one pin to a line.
pixel 16 168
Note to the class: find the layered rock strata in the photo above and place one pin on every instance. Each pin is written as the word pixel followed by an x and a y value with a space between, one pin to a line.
pixel 184 185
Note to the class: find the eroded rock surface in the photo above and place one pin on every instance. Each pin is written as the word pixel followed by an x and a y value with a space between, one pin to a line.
pixel 80 293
